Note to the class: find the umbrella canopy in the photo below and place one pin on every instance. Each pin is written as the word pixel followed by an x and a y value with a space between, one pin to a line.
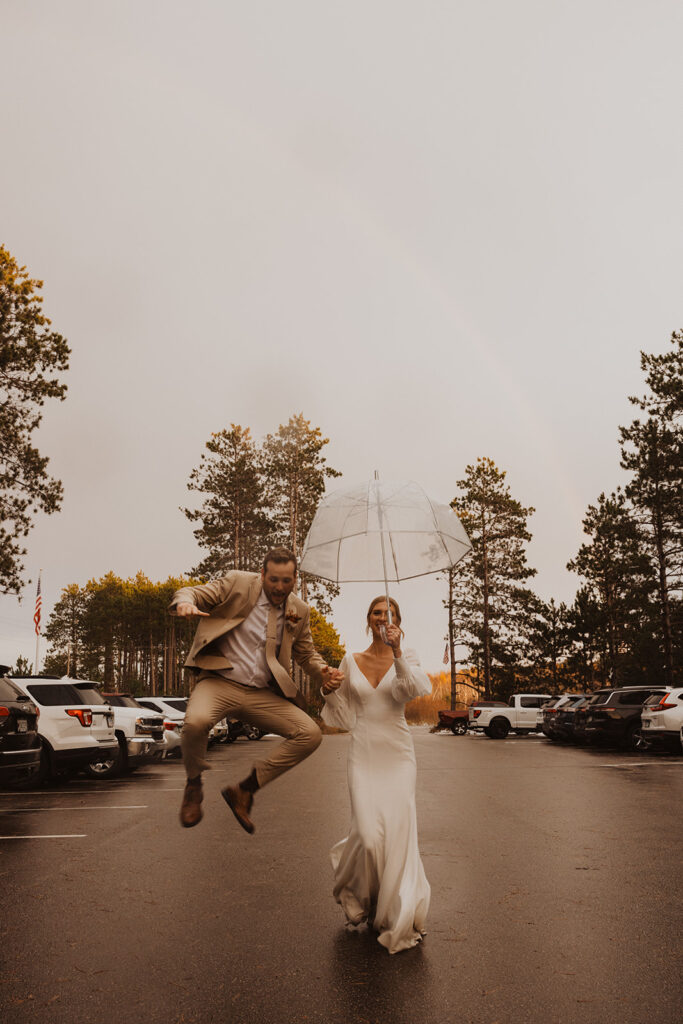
pixel 382 532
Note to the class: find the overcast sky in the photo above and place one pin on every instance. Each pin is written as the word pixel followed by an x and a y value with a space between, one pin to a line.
pixel 439 230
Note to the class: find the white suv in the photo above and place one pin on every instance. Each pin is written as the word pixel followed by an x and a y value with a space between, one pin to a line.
pixel 662 718
pixel 139 734
pixel 74 732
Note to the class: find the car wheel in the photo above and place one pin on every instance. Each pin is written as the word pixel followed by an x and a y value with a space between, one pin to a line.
pixel 459 727
pixel 498 729
pixel 635 740
pixel 107 767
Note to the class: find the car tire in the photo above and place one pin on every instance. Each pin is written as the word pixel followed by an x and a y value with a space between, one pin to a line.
pixel 108 768
pixel 498 729
pixel 635 741
pixel 459 728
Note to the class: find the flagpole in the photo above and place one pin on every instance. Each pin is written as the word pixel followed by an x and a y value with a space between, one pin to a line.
pixel 36 620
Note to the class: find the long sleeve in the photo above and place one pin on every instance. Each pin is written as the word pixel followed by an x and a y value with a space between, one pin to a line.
pixel 410 680
pixel 305 653
pixel 338 710
pixel 204 596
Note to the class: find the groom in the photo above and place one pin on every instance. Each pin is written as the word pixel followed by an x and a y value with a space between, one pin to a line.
pixel 250 626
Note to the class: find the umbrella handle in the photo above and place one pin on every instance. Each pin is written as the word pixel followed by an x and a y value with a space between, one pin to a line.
pixel 384 562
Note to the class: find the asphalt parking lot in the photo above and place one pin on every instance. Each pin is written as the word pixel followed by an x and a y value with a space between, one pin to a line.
pixel 555 876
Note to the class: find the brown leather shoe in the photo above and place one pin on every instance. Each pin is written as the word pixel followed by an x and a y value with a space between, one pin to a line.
pixel 191 808
pixel 240 802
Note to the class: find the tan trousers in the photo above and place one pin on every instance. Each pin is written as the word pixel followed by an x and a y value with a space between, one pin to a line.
pixel 214 698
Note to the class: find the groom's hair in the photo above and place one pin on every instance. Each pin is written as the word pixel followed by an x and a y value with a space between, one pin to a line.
pixel 279 555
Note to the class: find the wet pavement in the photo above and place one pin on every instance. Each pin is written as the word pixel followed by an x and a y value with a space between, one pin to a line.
pixel 555 878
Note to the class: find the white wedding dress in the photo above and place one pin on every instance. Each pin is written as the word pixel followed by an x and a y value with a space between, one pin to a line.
pixel 378 870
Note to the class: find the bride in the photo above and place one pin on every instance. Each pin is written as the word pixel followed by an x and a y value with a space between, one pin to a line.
pixel 378 873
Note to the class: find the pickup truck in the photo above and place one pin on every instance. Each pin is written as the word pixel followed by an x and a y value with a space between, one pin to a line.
pixel 458 721
pixel 521 716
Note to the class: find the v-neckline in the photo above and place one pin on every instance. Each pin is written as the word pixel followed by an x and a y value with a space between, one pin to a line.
pixel 379 681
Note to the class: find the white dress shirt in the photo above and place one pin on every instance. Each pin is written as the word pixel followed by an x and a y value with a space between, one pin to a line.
pixel 245 645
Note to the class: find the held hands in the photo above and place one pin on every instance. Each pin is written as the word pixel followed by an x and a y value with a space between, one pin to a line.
pixel 393 639
pixel 332 679
pixel 186 610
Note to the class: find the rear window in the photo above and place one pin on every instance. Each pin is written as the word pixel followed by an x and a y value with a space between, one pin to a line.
pixel 532 702
pixel 52 695
pixel 600 698
pixel 8 691
pixel 636 697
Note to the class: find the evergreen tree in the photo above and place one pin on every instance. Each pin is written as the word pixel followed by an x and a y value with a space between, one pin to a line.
pixel 296 470
pixel 652 450
pixel 31 357
pixel 235 522
pixel 489 599
pixel 618 574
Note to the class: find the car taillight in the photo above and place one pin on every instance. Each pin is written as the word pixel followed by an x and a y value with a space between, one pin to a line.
pixel 476 713
pixel 661 707
pixel 4 712
pixel 84 715
pixel 170 725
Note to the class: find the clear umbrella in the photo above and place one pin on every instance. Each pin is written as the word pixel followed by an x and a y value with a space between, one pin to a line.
pixel 382 532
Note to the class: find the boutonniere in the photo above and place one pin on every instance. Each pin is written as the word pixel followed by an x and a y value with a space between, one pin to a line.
pixel 291 620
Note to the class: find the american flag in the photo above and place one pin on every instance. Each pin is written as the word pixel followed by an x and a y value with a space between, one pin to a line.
pixel 36 613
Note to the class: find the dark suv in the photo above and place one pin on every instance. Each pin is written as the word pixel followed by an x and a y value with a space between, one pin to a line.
pixel 19 740
pixel 613 716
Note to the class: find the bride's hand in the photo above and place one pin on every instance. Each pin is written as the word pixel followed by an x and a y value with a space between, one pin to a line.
pixel 394 639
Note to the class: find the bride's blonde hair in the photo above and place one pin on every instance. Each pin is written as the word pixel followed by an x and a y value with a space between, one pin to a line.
pixel 395 608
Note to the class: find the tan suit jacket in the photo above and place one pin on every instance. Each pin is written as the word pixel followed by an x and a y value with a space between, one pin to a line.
pixel 228 602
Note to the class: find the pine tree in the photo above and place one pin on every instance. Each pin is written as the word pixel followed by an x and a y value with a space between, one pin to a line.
pixel 31 357
pixel 296 470
pixel 619 576
pixel 652 450
pixel 488 597
pixel 235 521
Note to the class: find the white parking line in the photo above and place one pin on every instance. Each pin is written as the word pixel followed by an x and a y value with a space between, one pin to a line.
pixel 103 807
pixel 75 835
pixel 85 792
pixel 641 764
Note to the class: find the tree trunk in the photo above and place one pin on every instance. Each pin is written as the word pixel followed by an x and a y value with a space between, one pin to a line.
pixel 665 607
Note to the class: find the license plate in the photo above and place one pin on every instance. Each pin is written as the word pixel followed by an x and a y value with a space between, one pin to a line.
pixel 22 725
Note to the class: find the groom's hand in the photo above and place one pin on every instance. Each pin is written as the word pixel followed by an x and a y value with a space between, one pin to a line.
pixel 186 609
pixel 332 679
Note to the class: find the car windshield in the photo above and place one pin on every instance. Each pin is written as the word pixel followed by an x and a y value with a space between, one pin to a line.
pixel 55 694
pixel 180 703
pixel 91 695
pixel 117 701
